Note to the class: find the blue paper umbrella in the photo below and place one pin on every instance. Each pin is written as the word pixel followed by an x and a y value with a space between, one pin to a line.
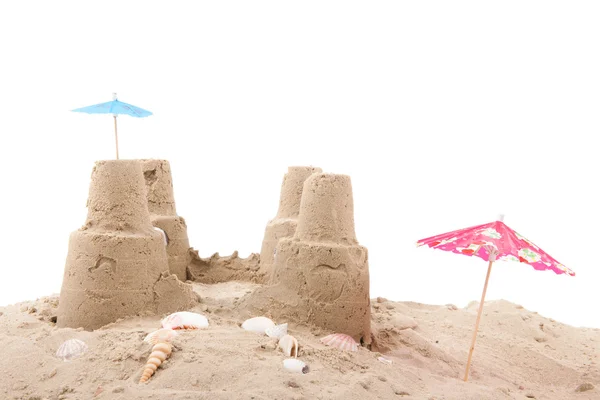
pixel 115 107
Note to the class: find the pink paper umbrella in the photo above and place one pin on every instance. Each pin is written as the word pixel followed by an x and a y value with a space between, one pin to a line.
pixel 491 242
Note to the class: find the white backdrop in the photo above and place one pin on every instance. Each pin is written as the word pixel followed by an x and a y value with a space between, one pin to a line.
pixel 443 113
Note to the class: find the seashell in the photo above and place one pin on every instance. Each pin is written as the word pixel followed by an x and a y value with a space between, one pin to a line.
pixel 185 320
pixel 340 341
pixel 385 360
pixel 258 324
pixel 164 235
pixel 71 349
pixel 295 365
pixel 289 345
pixel 277 331
pixel 161 335
pixel 160 352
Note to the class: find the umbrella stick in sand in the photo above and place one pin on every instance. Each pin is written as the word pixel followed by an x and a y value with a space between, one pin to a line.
pixel 489 241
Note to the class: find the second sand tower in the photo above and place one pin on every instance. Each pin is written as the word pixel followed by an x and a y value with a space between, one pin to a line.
pixel 285 222
pixel 321 274
pixel 161 205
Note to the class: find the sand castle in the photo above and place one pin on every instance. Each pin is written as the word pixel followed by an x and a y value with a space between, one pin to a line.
pixel 161 205
pixel 285 222
pixel 117 264
pixel 321 274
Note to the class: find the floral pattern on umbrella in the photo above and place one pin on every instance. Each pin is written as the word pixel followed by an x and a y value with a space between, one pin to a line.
pixel 510 246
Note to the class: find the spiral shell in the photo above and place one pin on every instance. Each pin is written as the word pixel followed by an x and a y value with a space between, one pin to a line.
pixel 160 352
pixel 185 320
pixel 161 335
pixel 71 349
pixel 289 345
pixel 340 341
pixel 258 324
pixel 277 331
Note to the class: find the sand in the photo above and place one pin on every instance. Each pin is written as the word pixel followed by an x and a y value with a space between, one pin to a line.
pixel 518 354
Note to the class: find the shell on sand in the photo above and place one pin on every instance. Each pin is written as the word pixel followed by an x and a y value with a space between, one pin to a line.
pixel 161 335
pixel 71 349
pixel 289 345
pixel 185 320
pixel 160 352
pixel 295 365
pixel 277 331
pixel 258 324
pixel 164 235
pixel 340 341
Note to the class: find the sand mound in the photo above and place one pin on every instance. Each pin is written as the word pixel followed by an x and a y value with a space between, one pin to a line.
pixel 226 362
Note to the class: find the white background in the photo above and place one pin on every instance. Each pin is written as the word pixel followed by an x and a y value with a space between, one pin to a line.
pixel 443 113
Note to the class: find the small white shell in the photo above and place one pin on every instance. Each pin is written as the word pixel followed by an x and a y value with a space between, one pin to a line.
pixel 185 320
pixel 71 349
pixel 385 360
pixel 160 336
pixel 166 240
pixel 295 365
pixel 340 341
pixel 258 324
pixel 289 345
pixel 277 331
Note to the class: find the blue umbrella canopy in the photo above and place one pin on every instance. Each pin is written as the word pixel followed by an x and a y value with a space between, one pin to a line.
pixel 115 107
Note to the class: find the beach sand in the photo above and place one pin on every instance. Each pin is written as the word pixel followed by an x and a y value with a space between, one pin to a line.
pixel 519 354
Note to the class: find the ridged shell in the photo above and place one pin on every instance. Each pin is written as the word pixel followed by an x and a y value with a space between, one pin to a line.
pixel 295 365
pixel 277 331
pixel 185 320
pixel 289 345
pixel 161 335
pixel 160 352
pixel 71 349
pixel 340 341
pixel 258 324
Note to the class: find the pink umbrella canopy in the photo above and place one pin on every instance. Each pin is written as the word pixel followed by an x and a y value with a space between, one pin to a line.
pixel 496 239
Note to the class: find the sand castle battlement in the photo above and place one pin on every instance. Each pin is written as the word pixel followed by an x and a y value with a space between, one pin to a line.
pixel 285 222
pixel 163 215
pixel 117 263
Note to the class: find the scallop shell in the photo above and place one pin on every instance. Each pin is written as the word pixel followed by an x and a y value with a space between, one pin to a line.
pixel 289 345
pixel 295 365
pixel 164 235
pixel 277 331
pixel 258 324
pixel 71 349
pixel 185 320
pixel 340 341
pixel 161 335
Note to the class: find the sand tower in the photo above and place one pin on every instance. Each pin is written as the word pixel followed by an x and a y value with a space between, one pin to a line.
pixel 285 222
pixel 321 274
pixel 116 261
pixel 161 205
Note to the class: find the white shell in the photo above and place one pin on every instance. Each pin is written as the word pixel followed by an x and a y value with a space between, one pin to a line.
pixel 289 345
pixel 162 335
pixel 295 365
pixel 71 349
pixel 340 341
pixel 185 320
pixel 385 360
pixel 277 331
pixel 258 324
pixel 166 240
